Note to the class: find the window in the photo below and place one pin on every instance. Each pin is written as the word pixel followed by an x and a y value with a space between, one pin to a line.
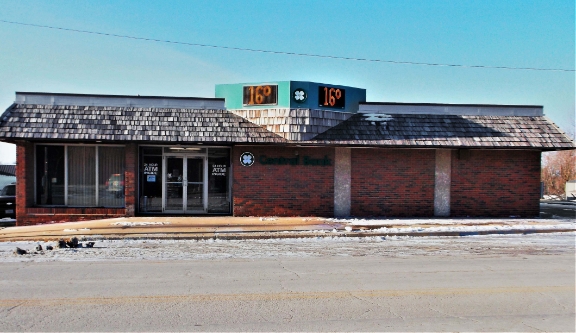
pixel 80 175
pixel 218 180
pixel 150 179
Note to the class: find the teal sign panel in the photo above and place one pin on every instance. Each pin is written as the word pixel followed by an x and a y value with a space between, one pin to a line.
pixel 291 94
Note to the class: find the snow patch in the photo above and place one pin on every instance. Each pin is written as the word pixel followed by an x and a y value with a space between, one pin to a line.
pixel 137 224
pixel 268 218
pixel 377 118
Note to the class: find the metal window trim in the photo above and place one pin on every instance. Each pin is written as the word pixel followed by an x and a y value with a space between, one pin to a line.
pixel 205 182
pixel 79 144
pixel 184 184
pixel 65 175
pixel 163 183
pixel 35 168
pixel 230 210
pixel 66 171
pixel 96 180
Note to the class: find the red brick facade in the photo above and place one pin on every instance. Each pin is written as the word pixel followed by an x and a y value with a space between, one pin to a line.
pixel 384 182
pixel 27 214
pixel 499 183
pixel 392 182
pixel 24 181
pixel 283 190
pixel 131 179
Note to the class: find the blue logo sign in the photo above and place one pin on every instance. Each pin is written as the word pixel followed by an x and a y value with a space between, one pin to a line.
pixel 300 95
pixel 247 159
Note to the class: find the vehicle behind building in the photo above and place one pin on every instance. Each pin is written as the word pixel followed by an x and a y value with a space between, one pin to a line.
pixel 8 201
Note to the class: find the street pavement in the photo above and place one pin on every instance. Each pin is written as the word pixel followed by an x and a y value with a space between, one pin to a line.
pixel 290 274
pixel 411 285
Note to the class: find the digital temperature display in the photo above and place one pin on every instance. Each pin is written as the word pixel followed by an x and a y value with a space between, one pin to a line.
pixel 260 95
pixel 330 97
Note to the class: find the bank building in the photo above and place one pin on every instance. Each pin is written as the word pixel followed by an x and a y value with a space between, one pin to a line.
pixel 282 148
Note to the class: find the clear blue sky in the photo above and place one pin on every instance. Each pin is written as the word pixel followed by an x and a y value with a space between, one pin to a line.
pixel 493 33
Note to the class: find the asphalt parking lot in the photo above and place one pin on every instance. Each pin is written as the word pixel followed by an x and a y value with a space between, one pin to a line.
pixel 554 209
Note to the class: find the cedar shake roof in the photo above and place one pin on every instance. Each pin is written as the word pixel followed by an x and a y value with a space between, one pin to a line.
pixel 8 170
pixel 145 124
pixel 442 130
pixel 115 118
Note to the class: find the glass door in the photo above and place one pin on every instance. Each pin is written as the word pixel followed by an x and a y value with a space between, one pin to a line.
pixel 195 185
pixel 185 185
pixel 174 194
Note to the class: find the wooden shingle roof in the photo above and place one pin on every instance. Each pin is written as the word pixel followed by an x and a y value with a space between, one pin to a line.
pixel 64 117
pixel 144 124
pixel 8 170
pixel 441 130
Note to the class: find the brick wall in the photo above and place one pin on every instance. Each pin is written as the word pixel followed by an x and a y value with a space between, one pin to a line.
pixel 131 179
pixel 24 181
pixel 36 215
pixel 283 190
pixel 393 182
pixel 498 183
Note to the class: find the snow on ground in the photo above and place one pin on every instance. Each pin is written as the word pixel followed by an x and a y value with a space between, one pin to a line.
pixel 469 229
pixel 214 249
pixel 137 224
pixel 450 221
pixel 452 225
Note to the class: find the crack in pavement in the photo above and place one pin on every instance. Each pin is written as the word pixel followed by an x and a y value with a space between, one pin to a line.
pixel 564 307
pixel 446 314
pixel 15 306
pixel 288 270
pixel 378 305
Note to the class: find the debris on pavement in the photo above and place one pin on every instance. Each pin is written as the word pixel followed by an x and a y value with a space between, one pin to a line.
pixel 72 243
pixel 20 251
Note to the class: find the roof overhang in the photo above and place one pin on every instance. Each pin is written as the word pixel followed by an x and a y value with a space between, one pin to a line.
pixel 119 100
pixel 452 109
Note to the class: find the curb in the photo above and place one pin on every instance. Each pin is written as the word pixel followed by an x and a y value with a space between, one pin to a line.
pixel 285 234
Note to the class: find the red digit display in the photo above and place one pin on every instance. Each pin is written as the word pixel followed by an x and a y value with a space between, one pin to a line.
pixel 331 97
pixel 260 95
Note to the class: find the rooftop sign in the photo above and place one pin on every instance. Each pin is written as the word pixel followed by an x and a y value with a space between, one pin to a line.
pixel 291 94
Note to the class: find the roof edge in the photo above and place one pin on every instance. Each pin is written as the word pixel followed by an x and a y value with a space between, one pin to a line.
pixel 452 109
pixel 117 100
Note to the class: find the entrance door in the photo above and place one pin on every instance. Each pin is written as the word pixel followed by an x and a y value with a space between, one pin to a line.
pixel 185 185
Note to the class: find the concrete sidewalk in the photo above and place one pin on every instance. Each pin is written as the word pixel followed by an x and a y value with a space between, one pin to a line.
pixel 275 227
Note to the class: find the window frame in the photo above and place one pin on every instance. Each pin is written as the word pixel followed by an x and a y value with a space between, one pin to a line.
pixel 96 170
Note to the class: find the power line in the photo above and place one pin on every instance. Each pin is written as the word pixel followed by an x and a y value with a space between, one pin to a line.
pixel 288 53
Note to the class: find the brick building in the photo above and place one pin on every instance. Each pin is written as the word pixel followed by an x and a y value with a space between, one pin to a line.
pixel 276 149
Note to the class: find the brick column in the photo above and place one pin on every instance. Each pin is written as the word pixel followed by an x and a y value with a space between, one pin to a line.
pixel 342 182
pixel 24 180
pixel 442 182
pixel 130 179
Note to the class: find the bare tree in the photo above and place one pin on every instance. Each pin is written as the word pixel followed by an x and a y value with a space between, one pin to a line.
pixel 558 167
